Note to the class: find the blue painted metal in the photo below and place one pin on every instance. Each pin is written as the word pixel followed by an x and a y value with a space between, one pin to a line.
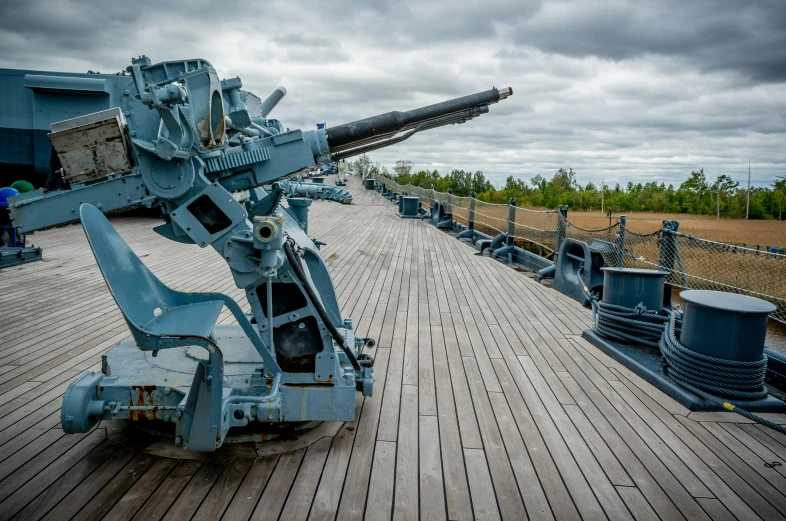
pixel 189 140
pixel 408 207
pixel 299 208
pixel 8 234
pixel 629 287
pixel 318 191
pixel 31 101
pixel 439 217
pixel 509 248
pixel 491 244
pixel 576 267
pixel 717 324
pixel 469 233
pixel 648 363
pixel 725 325
pixel 13 248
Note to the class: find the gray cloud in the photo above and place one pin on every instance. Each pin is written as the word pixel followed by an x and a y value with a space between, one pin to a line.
pixel 622 89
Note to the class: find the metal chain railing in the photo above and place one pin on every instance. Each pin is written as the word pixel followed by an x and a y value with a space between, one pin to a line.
pixel 691 262
pixel 694 263
pixel 537 227
pixel 608 241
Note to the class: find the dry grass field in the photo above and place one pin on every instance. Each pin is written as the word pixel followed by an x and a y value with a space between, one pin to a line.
pixel 734 231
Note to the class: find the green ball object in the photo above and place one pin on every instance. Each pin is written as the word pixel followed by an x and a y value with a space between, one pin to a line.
pixel 23 186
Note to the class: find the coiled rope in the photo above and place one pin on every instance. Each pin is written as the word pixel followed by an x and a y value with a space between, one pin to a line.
pixel 633 325
pixel 705 376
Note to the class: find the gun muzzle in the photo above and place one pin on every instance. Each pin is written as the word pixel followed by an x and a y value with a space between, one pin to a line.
pixel 364 135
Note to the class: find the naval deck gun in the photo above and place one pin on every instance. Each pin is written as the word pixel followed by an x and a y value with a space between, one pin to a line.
pixel 181 139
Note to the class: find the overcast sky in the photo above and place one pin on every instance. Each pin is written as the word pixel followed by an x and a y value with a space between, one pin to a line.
pixel 626 90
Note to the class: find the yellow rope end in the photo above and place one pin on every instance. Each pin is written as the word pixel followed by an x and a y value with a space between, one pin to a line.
pixel 728 406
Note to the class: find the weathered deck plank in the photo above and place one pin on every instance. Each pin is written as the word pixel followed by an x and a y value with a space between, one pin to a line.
pixel 488 403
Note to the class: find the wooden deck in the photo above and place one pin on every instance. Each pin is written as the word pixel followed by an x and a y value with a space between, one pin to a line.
pixel 488 404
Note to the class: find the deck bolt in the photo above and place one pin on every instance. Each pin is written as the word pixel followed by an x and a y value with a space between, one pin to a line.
pixel 179 414
pixel 178 440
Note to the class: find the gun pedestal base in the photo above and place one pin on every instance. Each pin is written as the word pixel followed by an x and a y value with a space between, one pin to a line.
pixel 149 391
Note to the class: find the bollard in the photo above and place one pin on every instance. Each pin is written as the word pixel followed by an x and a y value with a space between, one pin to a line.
pixel 629 287
pixel 725 325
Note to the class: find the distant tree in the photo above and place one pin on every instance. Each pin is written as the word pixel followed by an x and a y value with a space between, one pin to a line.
pixel 403 167
pixel 363 164
pixel 779 196
pixel 538 182
pixel 696 194
pixel 723 185
pixel 480 183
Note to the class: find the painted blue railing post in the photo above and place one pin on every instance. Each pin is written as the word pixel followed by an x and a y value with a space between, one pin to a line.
pixel 669 252
pixel 562 216
pixel 623 223
pixel 469 233
pixel 511 221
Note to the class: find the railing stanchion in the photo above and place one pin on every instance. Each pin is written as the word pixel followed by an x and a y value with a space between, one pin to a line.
pixel 623 221
pixel 471 222
pixel 511 221
pixel 561 218
pixel 668 250
pixel 511 229
pixel 469 233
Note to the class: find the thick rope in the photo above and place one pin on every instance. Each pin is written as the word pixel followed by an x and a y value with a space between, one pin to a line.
pixel 705 376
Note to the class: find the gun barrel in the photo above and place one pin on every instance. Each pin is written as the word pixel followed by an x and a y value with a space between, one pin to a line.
pixel 269 104
pixel 376 128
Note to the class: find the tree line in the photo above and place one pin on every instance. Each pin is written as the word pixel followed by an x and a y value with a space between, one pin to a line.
pixel 697 195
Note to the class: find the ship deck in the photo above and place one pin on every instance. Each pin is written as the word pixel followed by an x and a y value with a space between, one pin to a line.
pixel 488 404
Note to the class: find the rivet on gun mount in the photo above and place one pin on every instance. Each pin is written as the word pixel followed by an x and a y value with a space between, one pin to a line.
pixel 184 141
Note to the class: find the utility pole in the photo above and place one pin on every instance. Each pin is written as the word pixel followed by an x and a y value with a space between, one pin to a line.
pixel 602 192
pixel 748 198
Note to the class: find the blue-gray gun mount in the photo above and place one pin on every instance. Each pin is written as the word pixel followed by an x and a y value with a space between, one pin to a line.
pixel 206 153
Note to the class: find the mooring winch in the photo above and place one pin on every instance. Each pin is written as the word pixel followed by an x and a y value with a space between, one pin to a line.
pixel 710 356
pixel 205 152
